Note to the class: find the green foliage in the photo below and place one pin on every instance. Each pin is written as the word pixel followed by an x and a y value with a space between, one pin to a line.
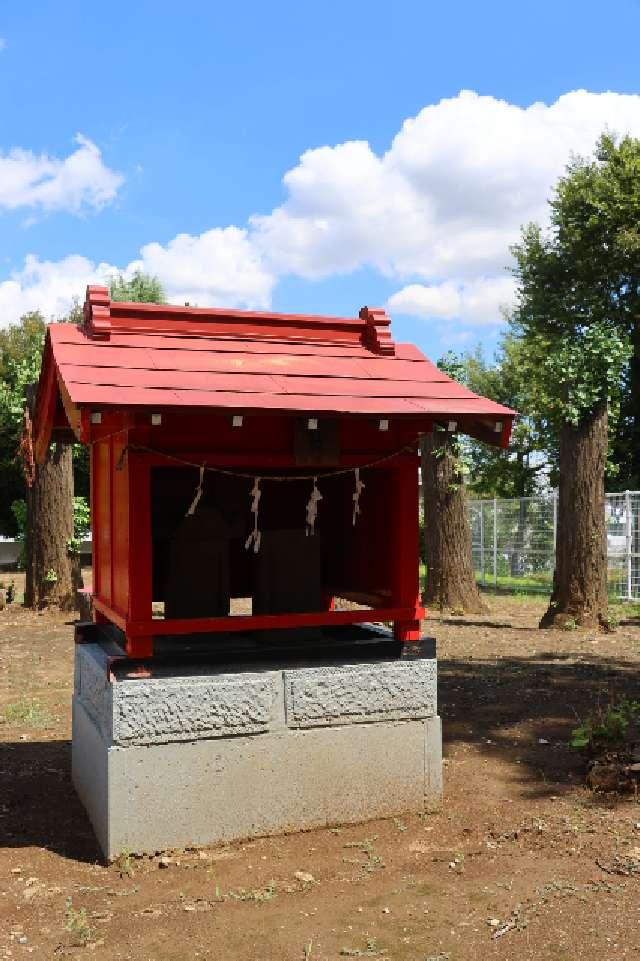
pixel 26 711
pixel 514 472
pixel 10 591
pixel 259 895
pixel 606 727
pixel 81 518
pixel 81 525
pixel 578 285
pixel 140 287
pixel 77 924
pixel 19 511
pixel 20 352
pixel 20 360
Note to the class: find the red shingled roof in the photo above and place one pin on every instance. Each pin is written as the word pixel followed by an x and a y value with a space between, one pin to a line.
pixel 157 356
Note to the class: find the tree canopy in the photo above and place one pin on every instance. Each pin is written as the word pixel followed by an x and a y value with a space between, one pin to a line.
pixel 140 287
pixel 520 470
pixel 578 293
pixel 20 356
pixel 573 340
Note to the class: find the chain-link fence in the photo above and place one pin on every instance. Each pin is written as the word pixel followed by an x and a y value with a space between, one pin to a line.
pixel 514 542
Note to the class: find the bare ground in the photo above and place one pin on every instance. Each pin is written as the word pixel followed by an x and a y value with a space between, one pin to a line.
pixel 522 862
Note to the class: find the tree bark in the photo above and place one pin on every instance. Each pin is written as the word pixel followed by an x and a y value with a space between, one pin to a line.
pixel 633 470
pixel 580 578
pixel 451 580
pixel 53 571
pixel 52 575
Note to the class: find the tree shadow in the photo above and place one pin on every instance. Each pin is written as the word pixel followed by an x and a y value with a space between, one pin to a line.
pixel 38 805
pixel 465 622
pixel 522 709
pixel 519 709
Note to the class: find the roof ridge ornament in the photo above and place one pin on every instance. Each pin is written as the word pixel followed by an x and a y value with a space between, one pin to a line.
pixel 377 334
pixel 97 312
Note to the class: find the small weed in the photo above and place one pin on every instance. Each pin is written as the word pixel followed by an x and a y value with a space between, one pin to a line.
pixel 10 591
pixel 77 925
pixel 26 711
pixel 372 861
pixel 371 950
pixel 51 577
pixel 606 726
pixel 124 863
pixel 570 624
pixel 612 621
pixel 399 825
pixel 257 894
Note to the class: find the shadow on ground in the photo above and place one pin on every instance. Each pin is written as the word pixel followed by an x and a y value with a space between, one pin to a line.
pixel 522 709
pixel 38 805
pixel 517 709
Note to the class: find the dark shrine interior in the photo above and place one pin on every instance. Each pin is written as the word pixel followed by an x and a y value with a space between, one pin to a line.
pixel 200 561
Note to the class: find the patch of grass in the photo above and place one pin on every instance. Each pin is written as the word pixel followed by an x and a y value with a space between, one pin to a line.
pixel 257 894
pixel 526 584
pixel 77 925
pixel 125 863
pixel 606 725
pixel 371 949
pixel 372 861
pixel 624 610
pixel 26 711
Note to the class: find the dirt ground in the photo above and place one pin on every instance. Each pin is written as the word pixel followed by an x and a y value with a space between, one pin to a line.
pixel 522 862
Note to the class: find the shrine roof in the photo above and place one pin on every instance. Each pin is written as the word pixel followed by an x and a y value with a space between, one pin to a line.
pixel 132 355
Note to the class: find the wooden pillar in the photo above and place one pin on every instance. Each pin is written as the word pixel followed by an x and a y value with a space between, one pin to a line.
pixel 140 554
pixel 405 547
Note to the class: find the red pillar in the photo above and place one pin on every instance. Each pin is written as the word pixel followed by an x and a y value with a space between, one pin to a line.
pixel 140 554
pixel 405 547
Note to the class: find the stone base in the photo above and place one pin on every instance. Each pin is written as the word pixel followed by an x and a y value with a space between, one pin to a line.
pixel 203 755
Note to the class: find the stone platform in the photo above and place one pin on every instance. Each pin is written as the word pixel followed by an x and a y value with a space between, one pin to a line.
pixel 202 751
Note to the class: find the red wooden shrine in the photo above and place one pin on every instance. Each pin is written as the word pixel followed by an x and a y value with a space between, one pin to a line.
pixel 158 390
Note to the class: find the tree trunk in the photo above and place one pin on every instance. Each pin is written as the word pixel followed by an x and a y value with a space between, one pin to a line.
pixel 633 470
pixel 451 580
pixel 53 575
pixel 53 571
pixel 580 578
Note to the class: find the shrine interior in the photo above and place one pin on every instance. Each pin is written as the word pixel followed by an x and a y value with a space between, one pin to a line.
pixel 201 565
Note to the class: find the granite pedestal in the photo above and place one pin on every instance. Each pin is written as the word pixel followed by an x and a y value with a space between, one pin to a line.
pixel 200 752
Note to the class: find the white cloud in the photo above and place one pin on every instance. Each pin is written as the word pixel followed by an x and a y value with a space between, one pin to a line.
pixel 49 286
pixel 78 182
pixel 219 267
pixel 449 195
pixel 478 301
pixel 436 212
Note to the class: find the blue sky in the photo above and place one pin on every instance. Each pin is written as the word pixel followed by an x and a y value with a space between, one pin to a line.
pixel 190 115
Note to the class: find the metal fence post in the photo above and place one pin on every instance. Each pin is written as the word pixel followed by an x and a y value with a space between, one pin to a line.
pixel 628 540
pixel 495 542
pixel 482 542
